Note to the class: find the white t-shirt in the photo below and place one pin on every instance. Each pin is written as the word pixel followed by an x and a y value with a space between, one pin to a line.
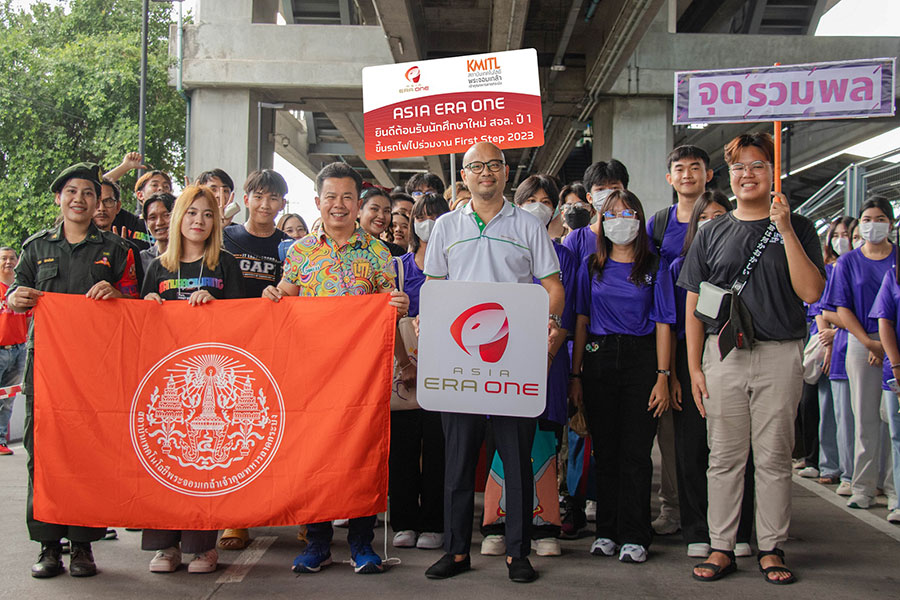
pixel 512 248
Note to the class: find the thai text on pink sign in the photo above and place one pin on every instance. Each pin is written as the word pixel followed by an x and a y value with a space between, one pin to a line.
pixel 832 90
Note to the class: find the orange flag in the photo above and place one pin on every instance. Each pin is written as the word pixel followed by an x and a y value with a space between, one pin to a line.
pixel 239 413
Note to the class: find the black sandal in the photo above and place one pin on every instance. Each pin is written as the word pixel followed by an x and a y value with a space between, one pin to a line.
pixel 718 571
pixel 775 568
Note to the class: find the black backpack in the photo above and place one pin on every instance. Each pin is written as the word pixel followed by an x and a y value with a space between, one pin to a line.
pixel 660 222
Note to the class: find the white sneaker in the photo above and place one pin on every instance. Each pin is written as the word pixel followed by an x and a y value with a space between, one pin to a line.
pixel 604 547
pixel 808 472
pixel 859 501
pixel 894 516
pixel 743 549
pixel 494 545
pixel 698 550
pixel 546 547
pixel 166 561
pixel 405 539
pixel 843 489
pixel 341 523
pixel 664 525
pixel 205 562
pixel 632 553
pixel 430 541
pixel 590 510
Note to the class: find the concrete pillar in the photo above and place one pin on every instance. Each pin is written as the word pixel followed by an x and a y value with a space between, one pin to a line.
pixel 224 11
pixel 265 11
pixel 638 132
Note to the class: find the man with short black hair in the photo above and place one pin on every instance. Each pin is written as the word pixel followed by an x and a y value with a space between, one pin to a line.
pixel 401 203
pixel 339 259
pixel 222 187
pixel 424 183
pixel 255 243
pixel 108 208
pixel 600 179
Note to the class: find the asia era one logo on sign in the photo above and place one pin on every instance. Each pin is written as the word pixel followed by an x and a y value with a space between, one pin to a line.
pixel 207 419
pixel 482 330
pixel 413 74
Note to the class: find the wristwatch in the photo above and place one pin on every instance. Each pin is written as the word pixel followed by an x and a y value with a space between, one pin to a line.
pixel 556 319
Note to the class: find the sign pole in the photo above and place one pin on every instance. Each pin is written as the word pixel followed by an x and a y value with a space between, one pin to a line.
pixel 453 178
pixel 777 157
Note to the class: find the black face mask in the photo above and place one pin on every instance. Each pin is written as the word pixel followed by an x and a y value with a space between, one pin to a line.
pixel 578 217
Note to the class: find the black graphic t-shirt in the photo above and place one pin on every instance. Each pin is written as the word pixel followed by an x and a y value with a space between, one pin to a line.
pixel 257 258
pixel 223 282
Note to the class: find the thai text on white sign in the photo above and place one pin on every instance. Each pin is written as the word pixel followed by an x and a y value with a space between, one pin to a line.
pixel 445 105
pixel 831 90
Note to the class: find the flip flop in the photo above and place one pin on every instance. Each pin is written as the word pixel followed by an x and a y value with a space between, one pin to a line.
pixel 111 534
pixel 718 571
pixel 234 539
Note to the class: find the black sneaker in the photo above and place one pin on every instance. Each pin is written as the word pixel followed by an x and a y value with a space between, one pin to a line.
pixel 448 567
pixel 521 571
pixel 48 563
pixel 82 562
pixel 574 519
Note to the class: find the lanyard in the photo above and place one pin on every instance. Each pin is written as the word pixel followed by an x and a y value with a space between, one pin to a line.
pixel 767 236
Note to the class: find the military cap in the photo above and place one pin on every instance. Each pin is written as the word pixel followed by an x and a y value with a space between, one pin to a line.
pixel 84 170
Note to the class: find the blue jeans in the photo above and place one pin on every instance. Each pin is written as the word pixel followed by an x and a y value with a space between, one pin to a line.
pixel 12 366
pixel 829 460
pixel 361 532
pixel 843 418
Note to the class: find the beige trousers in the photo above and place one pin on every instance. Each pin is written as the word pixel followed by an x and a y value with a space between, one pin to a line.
pixel 668 481
pixel 753 398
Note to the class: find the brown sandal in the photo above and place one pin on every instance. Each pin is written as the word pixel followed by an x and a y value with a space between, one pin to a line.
pixel 234 539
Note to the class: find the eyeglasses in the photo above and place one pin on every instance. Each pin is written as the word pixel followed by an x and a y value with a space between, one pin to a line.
pixel 756 167
pixel 108 202
pixel 625 213
pixel 478 166
pixel 417 194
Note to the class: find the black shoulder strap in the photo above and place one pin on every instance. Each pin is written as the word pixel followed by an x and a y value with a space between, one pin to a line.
pixel 738 286
pixel 660 222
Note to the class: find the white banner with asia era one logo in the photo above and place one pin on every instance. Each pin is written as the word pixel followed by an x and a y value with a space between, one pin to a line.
pixel 483 348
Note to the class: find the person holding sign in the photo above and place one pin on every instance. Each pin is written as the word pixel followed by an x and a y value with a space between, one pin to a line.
pixel 490 240
pixel 625 306
pixel 746 361
pixel 339 259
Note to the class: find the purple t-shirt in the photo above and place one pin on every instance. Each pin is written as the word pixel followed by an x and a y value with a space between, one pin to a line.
pixel 413 278
pixel 887 306
pixel 680 297
pixel 838 371
pixel 673 236
pixel 558 375
pixel 615 305
pixel 856 283
pixel 582 242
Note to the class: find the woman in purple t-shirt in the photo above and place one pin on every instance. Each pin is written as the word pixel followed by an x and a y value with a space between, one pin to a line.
pixel 625 306
pixel 857 277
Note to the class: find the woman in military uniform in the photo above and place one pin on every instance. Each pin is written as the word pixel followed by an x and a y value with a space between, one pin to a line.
pixel 72 258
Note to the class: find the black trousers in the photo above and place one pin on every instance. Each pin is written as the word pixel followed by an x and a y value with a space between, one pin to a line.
pixel 463 435
pixel 192 541
pixel 40 531
pixel 416 471
pixel 692 460
pixel 617 380
pixel 807 426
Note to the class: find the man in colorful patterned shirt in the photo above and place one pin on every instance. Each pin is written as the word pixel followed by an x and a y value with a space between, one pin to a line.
pixel 339 259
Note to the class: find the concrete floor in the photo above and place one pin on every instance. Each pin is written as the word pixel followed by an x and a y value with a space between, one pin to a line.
pixel 835 552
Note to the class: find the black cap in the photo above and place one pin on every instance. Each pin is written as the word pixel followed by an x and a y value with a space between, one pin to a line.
pixel 85 170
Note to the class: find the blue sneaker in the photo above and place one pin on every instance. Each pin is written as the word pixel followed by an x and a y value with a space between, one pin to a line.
pixel 364 560
pixel 311 560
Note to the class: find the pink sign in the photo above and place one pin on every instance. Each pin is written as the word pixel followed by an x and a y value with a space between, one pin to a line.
pixel 833 90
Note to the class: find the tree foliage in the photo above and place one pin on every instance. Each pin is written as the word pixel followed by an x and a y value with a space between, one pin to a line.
pixel 69 92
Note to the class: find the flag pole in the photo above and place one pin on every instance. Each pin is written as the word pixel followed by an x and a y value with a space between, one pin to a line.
pixel 777 158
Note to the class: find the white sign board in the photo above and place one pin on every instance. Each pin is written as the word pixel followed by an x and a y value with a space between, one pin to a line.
pixel 483 348
pixel 830 90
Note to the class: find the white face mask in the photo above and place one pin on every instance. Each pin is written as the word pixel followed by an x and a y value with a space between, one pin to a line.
pixel 620 230
pixel 540 210
pixel 874 232
pixel 702 223
pixel 858 243
pixel 840 245
pixel 598 198
pixel 423 229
